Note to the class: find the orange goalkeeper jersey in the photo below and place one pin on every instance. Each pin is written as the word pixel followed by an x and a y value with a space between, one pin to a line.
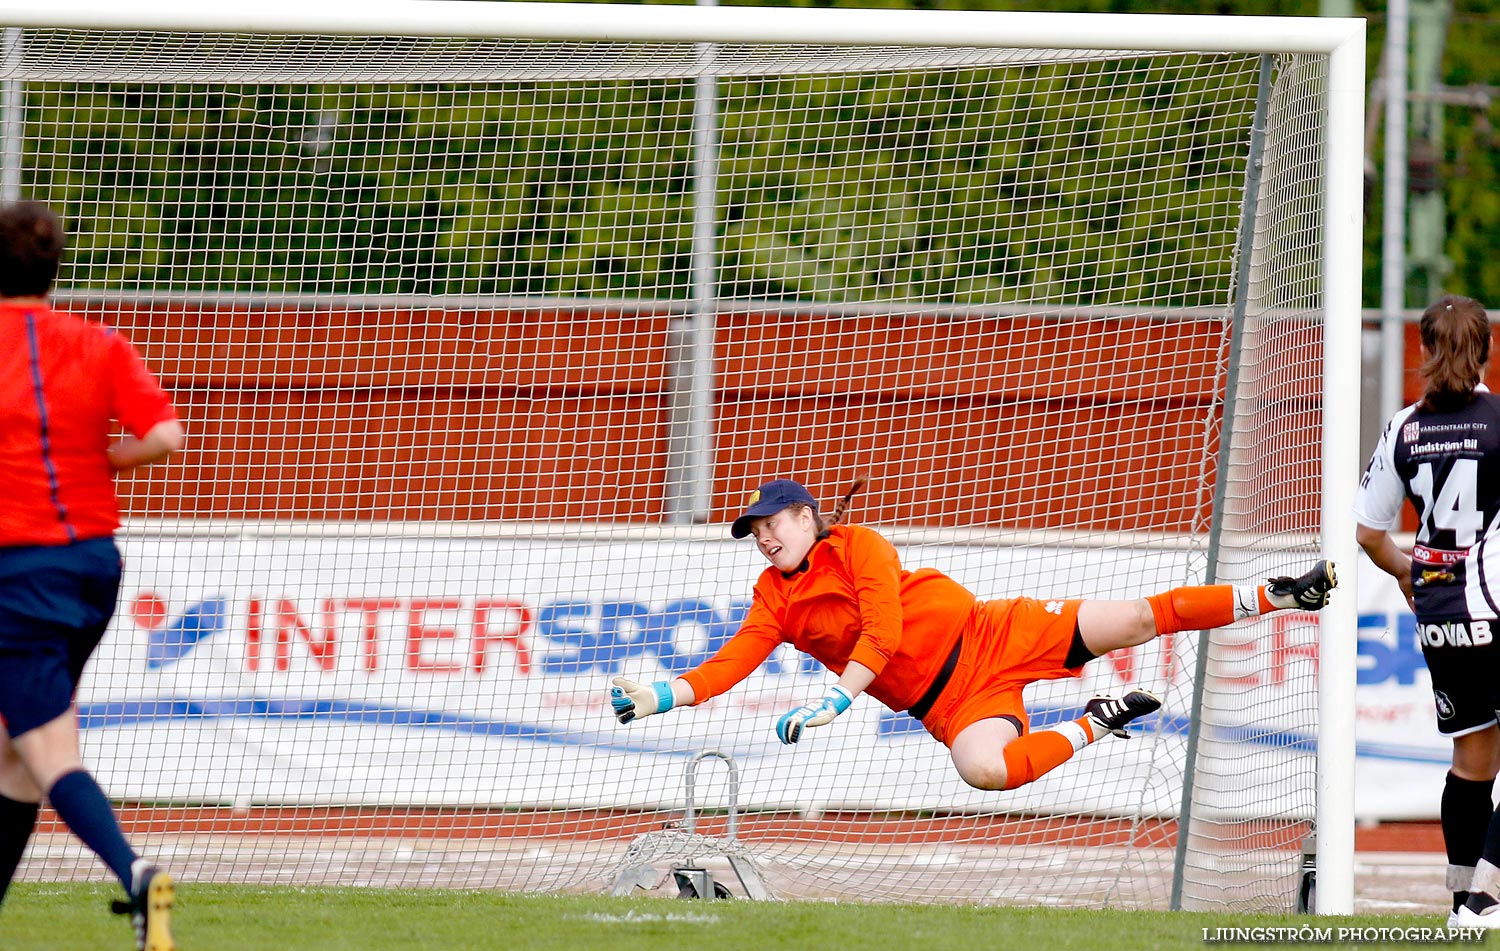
pixel 853 602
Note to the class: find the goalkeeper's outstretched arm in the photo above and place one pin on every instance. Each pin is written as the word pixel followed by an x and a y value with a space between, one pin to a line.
pixel 632 700
pixel 783 519
pixel 733 662
pixel 840 696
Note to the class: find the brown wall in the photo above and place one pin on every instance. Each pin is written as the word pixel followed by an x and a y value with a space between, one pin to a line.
pixel 349 414
pixel 1025 422
pixel 401 414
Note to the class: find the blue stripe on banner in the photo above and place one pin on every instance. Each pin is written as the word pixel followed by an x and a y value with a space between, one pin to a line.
pixel 130 713
pixel 41 409
pixel 1177 725
pixel 1293 740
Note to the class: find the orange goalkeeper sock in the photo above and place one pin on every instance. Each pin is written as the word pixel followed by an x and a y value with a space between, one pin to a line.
pixel 1041 752
pixel 1203 607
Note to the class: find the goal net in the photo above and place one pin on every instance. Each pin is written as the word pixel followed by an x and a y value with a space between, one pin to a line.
pixel 480 342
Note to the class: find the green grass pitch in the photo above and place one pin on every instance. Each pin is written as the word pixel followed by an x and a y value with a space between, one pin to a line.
pixel 70 917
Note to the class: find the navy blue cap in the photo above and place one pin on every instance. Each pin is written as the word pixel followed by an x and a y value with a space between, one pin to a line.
pixel 770 499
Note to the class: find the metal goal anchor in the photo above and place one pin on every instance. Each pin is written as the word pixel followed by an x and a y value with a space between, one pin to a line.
pixel 682 841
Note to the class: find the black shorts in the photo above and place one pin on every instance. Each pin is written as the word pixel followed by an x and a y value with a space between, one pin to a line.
pixel 55 602
pixel 1464 660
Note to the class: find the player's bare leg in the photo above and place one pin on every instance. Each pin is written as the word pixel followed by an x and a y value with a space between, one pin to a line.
pixel 991 754
pixel 1467 809
pixel 51 750
pixel 1106 626
pixel 1112 625
pixel 15 779
pixel 979 753
pixel 50 754
pixel 19 798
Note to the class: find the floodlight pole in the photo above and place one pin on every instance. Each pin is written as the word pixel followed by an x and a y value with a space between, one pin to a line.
pixel 1393 230
pixel 690 438
pixel 12 118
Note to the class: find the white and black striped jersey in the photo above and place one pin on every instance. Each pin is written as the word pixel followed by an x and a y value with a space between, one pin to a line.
pixel 1448 464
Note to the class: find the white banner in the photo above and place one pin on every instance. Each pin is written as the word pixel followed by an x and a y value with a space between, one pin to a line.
pixel 474 672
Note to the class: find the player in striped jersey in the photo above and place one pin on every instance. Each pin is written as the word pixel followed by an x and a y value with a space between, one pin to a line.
pixel 1443 453
pixel 918 641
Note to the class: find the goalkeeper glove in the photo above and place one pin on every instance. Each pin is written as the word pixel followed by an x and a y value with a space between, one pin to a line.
pixel 789 728
pixel 631 700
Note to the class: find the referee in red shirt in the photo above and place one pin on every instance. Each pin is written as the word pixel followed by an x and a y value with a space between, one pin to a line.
pixel 63 383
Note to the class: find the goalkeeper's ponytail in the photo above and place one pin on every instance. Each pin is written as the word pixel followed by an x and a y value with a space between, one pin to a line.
pixel 837 515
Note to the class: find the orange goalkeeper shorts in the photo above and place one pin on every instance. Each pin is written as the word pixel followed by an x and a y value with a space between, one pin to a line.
pixel 1008 644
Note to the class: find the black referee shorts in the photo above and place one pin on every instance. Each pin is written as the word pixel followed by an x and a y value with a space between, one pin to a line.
pixel 55 603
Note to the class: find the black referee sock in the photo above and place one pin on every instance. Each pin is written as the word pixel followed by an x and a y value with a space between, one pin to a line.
pixel 1466 812
pixel 81 804
pixel 17 820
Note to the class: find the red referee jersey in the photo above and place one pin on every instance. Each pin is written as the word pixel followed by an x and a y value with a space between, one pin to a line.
pixel 62 380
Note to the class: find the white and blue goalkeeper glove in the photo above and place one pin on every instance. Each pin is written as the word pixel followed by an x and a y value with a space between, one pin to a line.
pixel 789 728
pixel 631 700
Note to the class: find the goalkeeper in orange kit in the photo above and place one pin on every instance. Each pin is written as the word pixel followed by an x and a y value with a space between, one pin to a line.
pixel 918 641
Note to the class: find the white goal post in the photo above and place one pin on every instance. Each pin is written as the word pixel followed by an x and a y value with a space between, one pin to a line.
pixel 1059 281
